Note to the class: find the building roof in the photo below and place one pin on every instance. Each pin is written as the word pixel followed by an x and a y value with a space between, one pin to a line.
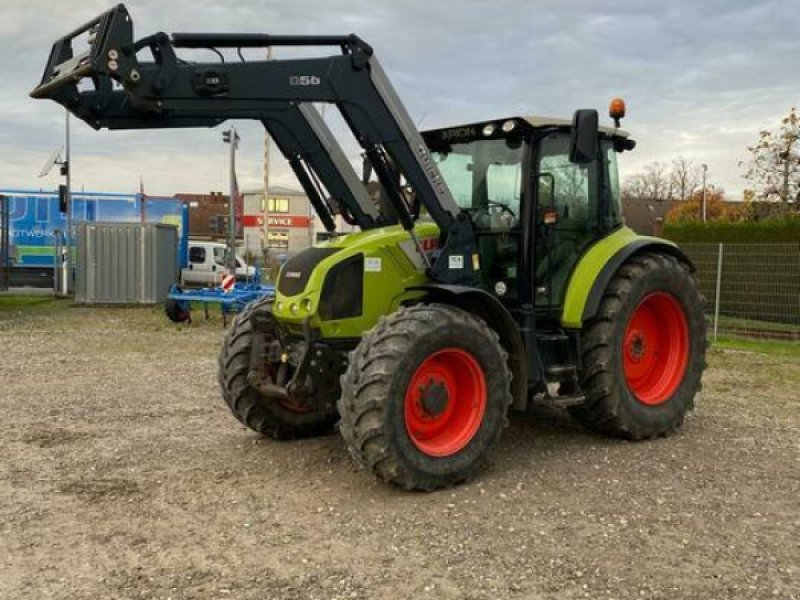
pixel 645 217
pixel 276 190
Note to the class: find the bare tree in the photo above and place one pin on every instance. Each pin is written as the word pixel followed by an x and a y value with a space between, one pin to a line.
pixel 652 184
pixel 774 165
pixel 686 178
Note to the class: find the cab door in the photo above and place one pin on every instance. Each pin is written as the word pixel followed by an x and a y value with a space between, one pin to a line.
pixel 202 268
pixel 194 271
pixel 567 216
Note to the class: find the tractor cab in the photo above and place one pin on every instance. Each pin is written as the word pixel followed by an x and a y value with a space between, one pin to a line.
pixel 534 207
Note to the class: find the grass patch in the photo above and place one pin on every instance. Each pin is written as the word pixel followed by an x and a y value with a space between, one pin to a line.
pixel 763 346
pixel 743 324
pixel 18 302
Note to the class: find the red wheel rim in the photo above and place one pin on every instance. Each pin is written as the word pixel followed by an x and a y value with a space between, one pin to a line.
pixel 445 402
pixel 655 348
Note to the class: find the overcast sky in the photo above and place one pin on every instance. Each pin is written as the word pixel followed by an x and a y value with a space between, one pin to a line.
pixel 701 77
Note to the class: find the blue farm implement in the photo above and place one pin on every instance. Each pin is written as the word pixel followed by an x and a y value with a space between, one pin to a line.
pixel 179 302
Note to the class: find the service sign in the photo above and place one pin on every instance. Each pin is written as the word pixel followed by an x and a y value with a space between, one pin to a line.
pixel 288 221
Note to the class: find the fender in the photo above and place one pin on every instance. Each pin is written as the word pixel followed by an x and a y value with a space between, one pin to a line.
pixel 597 267
pixel 490 309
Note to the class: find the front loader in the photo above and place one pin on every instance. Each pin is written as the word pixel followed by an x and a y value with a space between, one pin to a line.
pixel 494 273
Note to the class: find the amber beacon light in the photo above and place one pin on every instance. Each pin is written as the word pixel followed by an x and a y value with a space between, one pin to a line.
pixel 616 110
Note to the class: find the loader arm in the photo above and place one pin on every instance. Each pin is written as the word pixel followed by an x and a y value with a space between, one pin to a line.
pixel 166 92
pixel 315 156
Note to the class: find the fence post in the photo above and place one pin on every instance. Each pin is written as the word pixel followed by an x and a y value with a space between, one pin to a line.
pixel 717 294
pixel 5 244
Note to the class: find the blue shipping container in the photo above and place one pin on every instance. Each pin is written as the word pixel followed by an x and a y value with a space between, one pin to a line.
pixel 35 217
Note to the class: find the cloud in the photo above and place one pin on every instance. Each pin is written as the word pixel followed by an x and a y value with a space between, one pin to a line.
pixel 701 78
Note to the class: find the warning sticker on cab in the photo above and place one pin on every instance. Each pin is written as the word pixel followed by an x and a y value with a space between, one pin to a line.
pixel 372 264
pixel 456 261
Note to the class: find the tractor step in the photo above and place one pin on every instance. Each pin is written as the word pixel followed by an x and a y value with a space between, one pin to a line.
pixel 551 337
pixel 565 401
pixel 559 401
pixel 561 372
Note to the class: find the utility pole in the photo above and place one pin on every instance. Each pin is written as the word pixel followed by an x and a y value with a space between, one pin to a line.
pixel 66 171
pixel 232 138
pixel 67 168
pixel 63 258
pixel 705 169
pixel 265 211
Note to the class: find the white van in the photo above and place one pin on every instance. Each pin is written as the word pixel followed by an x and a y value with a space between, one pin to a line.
pixel 207 265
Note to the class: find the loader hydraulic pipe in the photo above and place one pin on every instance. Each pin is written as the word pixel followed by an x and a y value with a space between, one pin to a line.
pixel 263 40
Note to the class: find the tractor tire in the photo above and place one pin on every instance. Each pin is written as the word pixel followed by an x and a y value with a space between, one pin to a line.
pixel 642 357
pixel 177 311
pixel 425 396
pixel 267 417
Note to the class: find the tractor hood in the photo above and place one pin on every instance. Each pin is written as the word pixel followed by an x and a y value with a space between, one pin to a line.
pixel 344 285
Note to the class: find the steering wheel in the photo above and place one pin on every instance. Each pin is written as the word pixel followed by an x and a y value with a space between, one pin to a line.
pixel 483 218
pixel 489 203
pixel 503 207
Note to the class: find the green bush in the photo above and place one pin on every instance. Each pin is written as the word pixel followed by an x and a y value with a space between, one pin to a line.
pixel 774 230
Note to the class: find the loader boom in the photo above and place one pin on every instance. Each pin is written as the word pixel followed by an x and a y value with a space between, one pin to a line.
pixel 170 92
pixel 311 149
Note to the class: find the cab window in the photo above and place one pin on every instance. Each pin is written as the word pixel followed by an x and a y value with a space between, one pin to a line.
pixel 567 214
pixel 567 187
pixel 615 204
pixel 485 178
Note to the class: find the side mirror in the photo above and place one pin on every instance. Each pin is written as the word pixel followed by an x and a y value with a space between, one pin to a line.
pixel 583 145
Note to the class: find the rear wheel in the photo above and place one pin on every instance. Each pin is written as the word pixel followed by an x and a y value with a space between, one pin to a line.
pixel 643 355
pixel 177 311
pixel 425 396
pixel 272 418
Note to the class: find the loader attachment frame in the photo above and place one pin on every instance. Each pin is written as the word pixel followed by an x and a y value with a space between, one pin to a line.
pixel 166 92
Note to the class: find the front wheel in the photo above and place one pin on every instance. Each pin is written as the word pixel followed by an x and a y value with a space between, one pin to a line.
pixel 643 355
pixel 280 420
pixel 425 396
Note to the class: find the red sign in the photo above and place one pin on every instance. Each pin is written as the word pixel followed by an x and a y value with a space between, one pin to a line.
pixel 253 221
pixel 288 221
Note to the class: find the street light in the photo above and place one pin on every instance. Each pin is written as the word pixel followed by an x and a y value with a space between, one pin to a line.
pixel 64 206
pixel 705 169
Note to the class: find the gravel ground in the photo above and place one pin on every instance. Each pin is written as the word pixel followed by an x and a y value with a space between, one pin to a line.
pixel 123 476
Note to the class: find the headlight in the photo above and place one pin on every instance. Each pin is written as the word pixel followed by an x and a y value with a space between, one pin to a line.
pixel 508 126
pixel 294 309
pixel 307 305
pixel 488 129
pixel 278 306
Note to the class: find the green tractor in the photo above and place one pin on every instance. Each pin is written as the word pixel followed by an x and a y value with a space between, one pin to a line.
pixel 495 271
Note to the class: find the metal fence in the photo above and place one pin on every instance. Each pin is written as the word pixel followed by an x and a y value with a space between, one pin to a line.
pixel 751 290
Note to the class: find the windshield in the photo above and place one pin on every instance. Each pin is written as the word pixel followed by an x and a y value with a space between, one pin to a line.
pixel 219 257
pixel 485 177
